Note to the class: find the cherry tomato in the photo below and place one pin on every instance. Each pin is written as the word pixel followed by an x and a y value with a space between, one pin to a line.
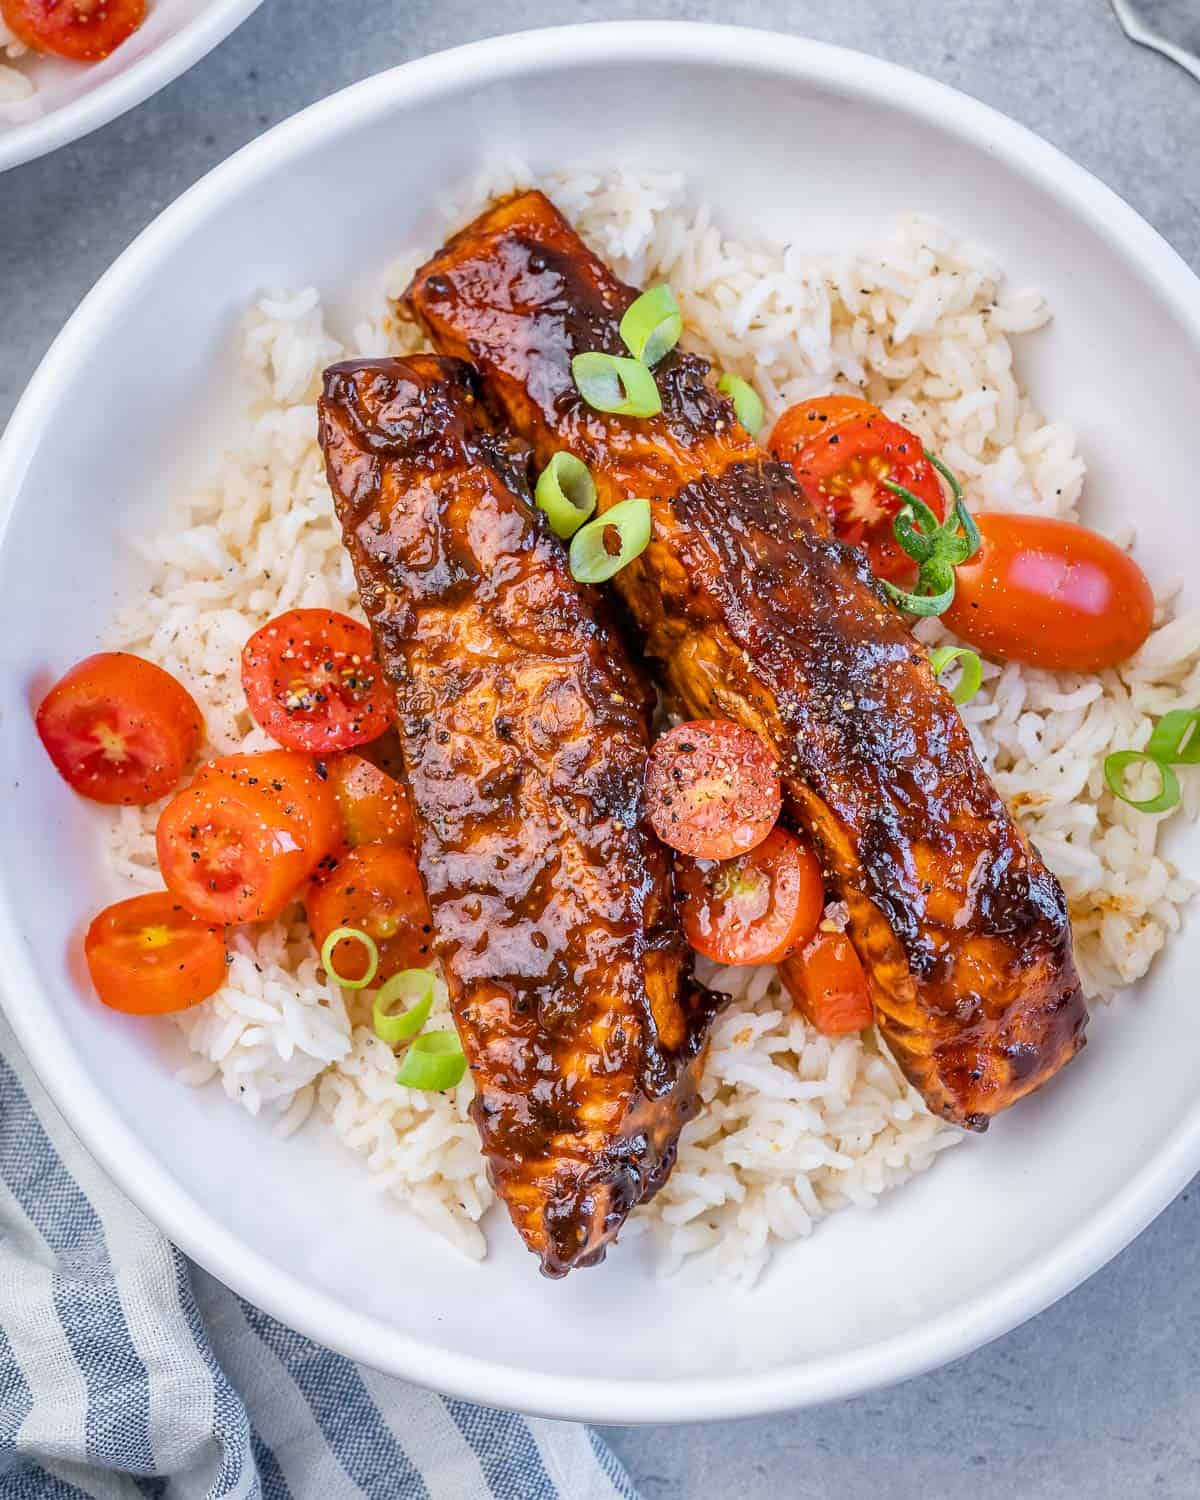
pixel 1050 594
pixel 806 420
pixel 756 908
pixel 83 30
pixel 376 888
pixel 828 985
pixel 241 841
pixel 300 785
pixel 842 467
pixel 712 789
pixel 119 729
pixel 312 681
pixel 148 955
pixel 374 806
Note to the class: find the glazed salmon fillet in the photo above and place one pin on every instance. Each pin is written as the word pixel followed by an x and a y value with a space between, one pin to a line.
pixel 524 734
pixel 755 613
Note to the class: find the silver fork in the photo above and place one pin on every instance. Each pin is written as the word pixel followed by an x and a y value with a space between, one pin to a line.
pixel 1171 27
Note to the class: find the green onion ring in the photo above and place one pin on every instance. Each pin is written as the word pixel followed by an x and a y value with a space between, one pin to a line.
pixel 946 473
pixel 415 988
pixel 937 576
pixel 1176 738
pixel 358 936
pixel 1115 766
pixel 435 1061
pixel 591 560
pixel 971 679
pixel 652 325
pixel 747 403
pixel 566 492
pixel 609 382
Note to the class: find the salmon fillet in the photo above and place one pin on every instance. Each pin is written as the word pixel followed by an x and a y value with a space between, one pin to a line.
pixel 756 613
pixel 524 735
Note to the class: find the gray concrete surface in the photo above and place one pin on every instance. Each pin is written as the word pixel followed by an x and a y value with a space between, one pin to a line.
pixel 1100 1396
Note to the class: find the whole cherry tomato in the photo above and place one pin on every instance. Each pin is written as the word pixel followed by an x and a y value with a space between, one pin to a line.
pixel 1048 593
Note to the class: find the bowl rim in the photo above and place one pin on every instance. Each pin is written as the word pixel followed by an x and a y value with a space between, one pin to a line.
pixel 98 106
pixel 321 1316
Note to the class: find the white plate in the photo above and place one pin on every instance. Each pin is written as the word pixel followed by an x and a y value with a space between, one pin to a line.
pixel 76 98
pixel 777 132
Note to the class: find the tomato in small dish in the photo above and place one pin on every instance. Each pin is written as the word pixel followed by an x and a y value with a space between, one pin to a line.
pixel 313 683
pixel 712 789
pixel 374 806
pixel 841 450
pixel 240 843
pixel 149 956
pixel 828 984
pixel 755 908
pixel 377 889
pixel 119 729
pixel 82 30
pixel 1049 593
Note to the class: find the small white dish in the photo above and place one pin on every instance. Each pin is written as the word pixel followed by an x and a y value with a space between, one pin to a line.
pixel 73 99
pixel 776 131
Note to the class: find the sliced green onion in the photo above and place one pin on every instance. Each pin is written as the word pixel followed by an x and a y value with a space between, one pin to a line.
pixel 971 679
pixel 435 1061
pixel 609 382
pixel 1176 740
pixel 605 545
pixel 1115 767
pixel 937 547
pixel 947 474
pixel 566 491
pixel 747 403
pixel 937 577
pixel 652 325
pixel 415 990
pixel 355 934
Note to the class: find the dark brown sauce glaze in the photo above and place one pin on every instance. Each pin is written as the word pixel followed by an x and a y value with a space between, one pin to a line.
pixel 524 733
pixel 757 614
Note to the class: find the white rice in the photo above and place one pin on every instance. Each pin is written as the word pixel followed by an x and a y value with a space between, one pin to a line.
pixel 795 1125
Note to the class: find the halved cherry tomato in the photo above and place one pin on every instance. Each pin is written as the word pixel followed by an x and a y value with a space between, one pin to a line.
pixel 712 789
pixel 119 729
pixel 312 681
pixel 374 805
pixel 300 785
pixel 241 841
pixel 756 908
pixel 806 420
pixel 841 468
pixel 148 956
pixel 826 981
pixel 1050 594
pixel 376 888
pixel 83 30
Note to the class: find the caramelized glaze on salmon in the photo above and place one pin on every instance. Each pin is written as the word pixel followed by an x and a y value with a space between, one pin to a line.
pixel 524 734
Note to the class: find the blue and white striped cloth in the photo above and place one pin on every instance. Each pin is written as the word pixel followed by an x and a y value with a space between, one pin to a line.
pixel 126 1372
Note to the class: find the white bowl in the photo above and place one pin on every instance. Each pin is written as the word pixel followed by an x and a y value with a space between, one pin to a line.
pixel 777 131
pixel 74 99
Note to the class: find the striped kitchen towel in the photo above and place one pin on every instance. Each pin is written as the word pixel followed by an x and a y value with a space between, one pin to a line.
pixel 125 1371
